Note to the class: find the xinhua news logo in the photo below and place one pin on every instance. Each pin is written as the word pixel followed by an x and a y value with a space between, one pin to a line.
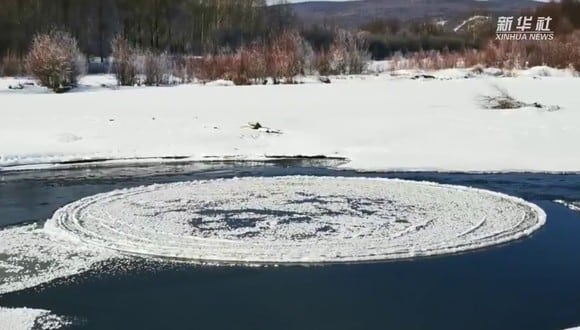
pixel 524 28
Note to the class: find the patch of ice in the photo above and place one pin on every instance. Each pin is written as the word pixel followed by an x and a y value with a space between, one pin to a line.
pixel 30 257
pixel 20 318
pixel 294 220
pixel 574 206
pixel 27 318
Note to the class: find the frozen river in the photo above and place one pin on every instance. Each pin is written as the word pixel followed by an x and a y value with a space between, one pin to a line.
pixel 531 283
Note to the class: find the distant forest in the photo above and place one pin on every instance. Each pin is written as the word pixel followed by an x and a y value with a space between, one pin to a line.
pixel 177 26
pixel 202 27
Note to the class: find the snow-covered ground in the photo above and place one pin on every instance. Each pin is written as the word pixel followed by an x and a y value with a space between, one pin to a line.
pixel 382 122
pixel 27 318
pixel 21 318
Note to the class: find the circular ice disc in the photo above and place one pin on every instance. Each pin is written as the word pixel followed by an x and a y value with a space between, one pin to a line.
pixel 296 220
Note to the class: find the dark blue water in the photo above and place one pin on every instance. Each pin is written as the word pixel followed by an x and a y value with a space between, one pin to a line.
pixel 530 284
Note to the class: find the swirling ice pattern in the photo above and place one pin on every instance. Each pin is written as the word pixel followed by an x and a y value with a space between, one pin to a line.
pixel 295 220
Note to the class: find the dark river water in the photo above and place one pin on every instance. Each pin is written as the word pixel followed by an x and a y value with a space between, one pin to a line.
pixel 530 284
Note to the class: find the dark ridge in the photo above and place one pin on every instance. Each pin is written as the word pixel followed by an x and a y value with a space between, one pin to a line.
pixel 355 13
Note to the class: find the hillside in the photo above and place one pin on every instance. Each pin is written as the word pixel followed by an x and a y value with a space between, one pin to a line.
pixel 355 13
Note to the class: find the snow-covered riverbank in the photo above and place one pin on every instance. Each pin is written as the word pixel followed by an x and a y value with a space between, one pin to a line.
pixel 27 318
pixel 383 122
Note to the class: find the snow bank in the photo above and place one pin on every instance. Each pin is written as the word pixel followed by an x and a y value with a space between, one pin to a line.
pixel 378 122
pixel 295 220
pixel 26 318
pixel 19 318
pixel 545 71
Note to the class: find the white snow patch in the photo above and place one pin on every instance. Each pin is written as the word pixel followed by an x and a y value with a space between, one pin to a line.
pixel 98 80
pixel 68 138
pixel 545 71
pixel 27 318
pixel 469 20
pixel 377 67
pixel 30 257
pixel 21 318
pixel 377 122
pixel 220 82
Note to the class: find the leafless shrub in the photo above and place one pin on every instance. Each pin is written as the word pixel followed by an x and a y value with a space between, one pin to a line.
pixel 275 63
pixel 185 68
pixel 158 69
pixel 283 57
pixel 307 57
pixel 253 64
pixel 220 66
pixel 322 63
pixel 503 100
pixel 500 100
pixel 562 52
pixel 55 60
pixel 348 54
pixel 126 60
pixel 281 60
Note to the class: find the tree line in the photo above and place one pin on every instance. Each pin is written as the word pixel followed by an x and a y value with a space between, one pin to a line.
pixel 177 26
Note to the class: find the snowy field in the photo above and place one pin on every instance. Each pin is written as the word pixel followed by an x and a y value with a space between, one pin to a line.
pixel 383 122
pixel 27 318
